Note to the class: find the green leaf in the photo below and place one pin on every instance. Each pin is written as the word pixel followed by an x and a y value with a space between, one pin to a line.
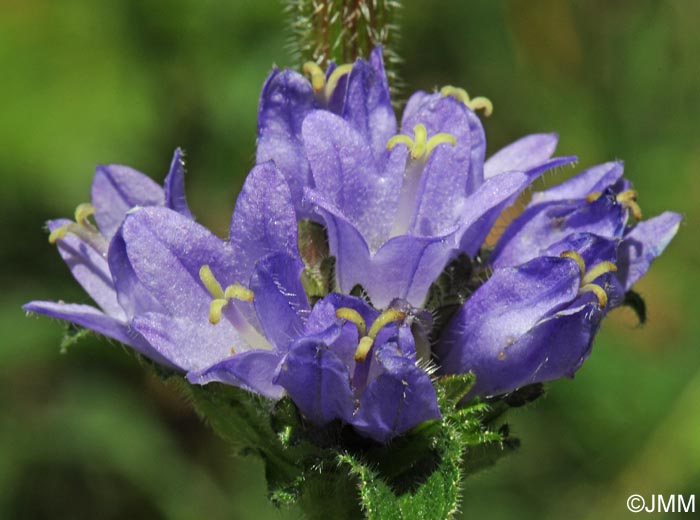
pixel 433 492
pixel 453 388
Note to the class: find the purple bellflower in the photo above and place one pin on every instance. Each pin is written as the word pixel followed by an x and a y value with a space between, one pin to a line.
pixel 358 365
pixel 84 246
pixel 536 321
pixel 599 201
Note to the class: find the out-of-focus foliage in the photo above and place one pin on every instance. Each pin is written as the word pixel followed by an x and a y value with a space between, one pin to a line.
pixel 91 434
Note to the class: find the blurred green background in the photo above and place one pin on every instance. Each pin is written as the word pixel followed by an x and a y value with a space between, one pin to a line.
pixel 91 434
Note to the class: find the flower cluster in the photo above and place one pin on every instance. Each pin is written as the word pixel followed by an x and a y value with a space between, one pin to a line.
pixel 353 327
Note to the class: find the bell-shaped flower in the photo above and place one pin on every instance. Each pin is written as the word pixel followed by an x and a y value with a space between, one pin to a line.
pixel 536 322
pixel 84 245
pixel 599 201
pixel 358 365
pixel 396 218
pixel 358 93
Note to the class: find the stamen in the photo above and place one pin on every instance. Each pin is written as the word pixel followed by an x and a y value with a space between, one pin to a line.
pixel 210 282
pixel 577 258
pixel 598 270
pixel 365 344
pixel 318 78
pixel 598 291
pixel 593 196
pixel 351 315
pixel 461 95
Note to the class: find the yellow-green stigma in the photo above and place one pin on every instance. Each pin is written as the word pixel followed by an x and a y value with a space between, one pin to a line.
pixel 628 199
pixel 420 146
pixel 83 228
pixel 220 296
pixel 322 87
pixel 590 275
pixel 351 315
pixel 366 342
pixel 477 103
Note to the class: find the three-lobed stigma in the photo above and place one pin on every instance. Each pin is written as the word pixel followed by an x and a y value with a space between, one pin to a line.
pixel 627 199
pixel 324 88
pixel 477 103
pixel 589 276
pixel 367 338
pixel 221 296
pixel 420 146
pixel 82 228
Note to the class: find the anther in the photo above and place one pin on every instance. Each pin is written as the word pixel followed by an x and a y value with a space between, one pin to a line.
pixel 598 270
pixel 461 95
pixel 593 196
pixel 576 258
pixel 385 318
pixel 351 315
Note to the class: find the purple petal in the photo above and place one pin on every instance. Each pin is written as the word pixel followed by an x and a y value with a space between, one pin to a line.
pixel 253 370
pixel 286 99
pixel 167 250
pixel 175 185
pixel 588 181
pixel 482 208
pixel 521 155
pixel 507 306
pixel 397 400
pixel 280 300
pixel 90 269
pixel 643 243
pixel 404 267
pixel 117 189
pixel 133 296
pixel 556 347
pixel 457 170
pixel 264 220
pixel 317 381
pixel 345 173
pixel 368 104
pixel 94 319
pixel 451 172
pixel 542 225
pixel 189 344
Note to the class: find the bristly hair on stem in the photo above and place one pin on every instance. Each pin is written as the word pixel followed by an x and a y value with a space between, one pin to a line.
pixel 344 30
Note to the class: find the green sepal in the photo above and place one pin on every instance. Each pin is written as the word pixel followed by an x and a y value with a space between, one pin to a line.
pixel 634 301
pixel 72 334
